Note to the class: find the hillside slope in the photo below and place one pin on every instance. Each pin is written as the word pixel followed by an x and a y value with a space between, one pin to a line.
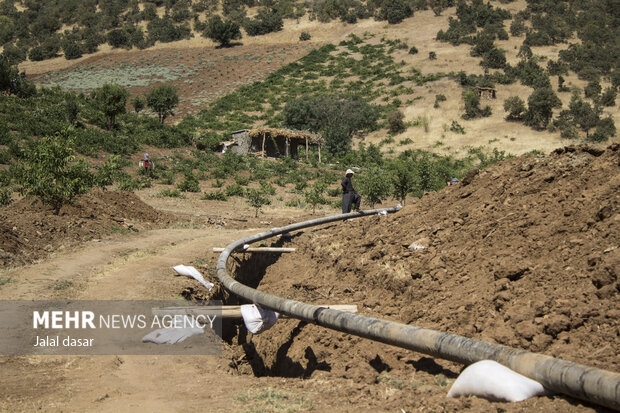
pixel 524 254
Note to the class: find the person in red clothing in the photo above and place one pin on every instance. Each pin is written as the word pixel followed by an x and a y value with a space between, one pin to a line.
pixel 147 163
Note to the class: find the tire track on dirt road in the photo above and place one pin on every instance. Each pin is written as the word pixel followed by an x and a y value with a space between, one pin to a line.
pixel 135 266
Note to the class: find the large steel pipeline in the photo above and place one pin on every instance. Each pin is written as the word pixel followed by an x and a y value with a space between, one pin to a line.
pixel 576 380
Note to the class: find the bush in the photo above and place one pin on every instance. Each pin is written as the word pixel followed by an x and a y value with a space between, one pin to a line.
pixel 396 121
pixel 118 38
pixel 172 193
pixel 218 195
pixel 71 49
pixel 375 186
pixel 5 196
pixel 472 106
pixel 267 188
pixel 189 184
pixel 439 98
pixel 457 128
pixel 314 197
pixel 50 171
pixel 432 55
pixel 138 103
pixel 304 36
pixel 235 190
pixel 413 50
pixel 267 21
pixel 608 98
pixel 257 199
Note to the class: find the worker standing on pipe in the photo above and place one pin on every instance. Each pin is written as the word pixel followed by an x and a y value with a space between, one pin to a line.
pixel 349 195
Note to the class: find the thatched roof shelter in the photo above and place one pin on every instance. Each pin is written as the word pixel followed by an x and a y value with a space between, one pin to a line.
pixel 289 136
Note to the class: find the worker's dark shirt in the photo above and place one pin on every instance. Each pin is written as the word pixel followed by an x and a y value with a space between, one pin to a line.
pixel 347 185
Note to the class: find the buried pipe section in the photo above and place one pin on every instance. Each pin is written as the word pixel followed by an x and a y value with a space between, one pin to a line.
pixel 576 380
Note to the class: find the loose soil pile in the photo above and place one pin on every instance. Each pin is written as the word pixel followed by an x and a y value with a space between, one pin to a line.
pixel 29 231
pixel 524 253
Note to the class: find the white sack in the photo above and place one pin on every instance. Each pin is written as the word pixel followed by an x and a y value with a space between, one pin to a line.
pixel 193 273
pixel 258 319
pixel 173 335
pixel 493 381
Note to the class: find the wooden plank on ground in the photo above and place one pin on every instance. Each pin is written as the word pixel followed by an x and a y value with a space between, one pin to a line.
pixel 230 311
pixel 259 249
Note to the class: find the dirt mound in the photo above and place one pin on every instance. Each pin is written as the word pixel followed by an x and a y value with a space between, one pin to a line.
pixel 524 253
pixel 29 231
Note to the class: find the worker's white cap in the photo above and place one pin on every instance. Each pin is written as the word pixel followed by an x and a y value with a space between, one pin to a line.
pixel 349 171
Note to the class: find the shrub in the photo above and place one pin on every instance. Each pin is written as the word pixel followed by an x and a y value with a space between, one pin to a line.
pixel 267 188
pixel 218 195
pixel 242 180
pixel 396 121
pixel 457 128
pixel 172 193
pixel 432 55
pixel 50 171
pixel 266 21
pixel 608 98
pixel 413 50
pixel 472 106
pixel 375 186
pixel 138 103
pixel 439 98
pixel 314 197
pixel 235 190
pixel 304 36
pixel 71 49
pixel 189 184
pixel 5 196
pixel 118 38
pixel 257 199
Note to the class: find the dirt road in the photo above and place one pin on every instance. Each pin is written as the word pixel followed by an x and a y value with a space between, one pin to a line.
pixel 136 266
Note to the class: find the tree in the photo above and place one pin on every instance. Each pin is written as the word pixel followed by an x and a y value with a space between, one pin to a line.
pixel 608 98
pixel 403 179
pixel 163 99
pixel 540 107
pixel 337 118
pixel 395 11
pixel 583 115
pixel 49 171
pixel 256 199
pixel 267 21
pixel 315 195
pixel 71 49
pixel 111 99
pixel 118 38
pixel 375 186
pixel 138 103
pixel 515 106
pixel 222 31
